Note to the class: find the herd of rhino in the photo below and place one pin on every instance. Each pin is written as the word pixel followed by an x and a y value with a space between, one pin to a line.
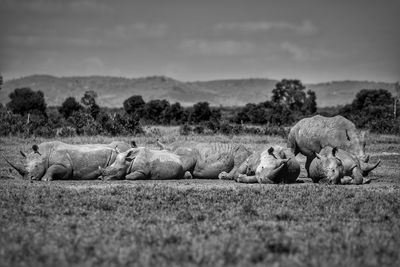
pixel 334 148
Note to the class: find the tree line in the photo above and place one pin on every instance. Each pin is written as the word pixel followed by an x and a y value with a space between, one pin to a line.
pixel 28 114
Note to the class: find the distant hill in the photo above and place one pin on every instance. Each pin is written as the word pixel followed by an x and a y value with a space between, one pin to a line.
pixel 112 91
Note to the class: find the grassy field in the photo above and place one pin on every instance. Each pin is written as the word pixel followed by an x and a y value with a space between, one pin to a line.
pixel 200 222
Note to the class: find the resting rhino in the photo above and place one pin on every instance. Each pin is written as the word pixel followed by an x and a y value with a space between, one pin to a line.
pixel 57 160
pixel 142 163
pixel 274 164
pixel 207 161
pixel 310 135
pixel 338 167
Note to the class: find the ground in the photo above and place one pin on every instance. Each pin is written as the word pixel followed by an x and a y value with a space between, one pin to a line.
pixel 200 222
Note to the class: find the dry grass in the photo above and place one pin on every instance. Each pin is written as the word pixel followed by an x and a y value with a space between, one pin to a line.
pixel 194 222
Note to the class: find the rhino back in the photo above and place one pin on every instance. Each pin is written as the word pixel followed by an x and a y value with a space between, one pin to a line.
pixel 82 160
pixel 157 164
pixel 312 134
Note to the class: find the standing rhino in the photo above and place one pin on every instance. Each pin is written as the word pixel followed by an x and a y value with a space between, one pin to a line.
pixel 57 160
pixel 142 163
pixel 273 165
pixel 310 135
pixel 339 167
pixel 207 161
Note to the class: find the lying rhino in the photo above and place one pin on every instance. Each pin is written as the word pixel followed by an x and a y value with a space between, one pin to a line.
pixel 339 167
pixel 310 135
pixel 57 160
pixel 273 165
pixel 207 161
pixel 142 163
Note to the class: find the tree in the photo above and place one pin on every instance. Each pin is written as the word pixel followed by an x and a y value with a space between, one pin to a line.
pixel 367 98
pixel 176 113
pixel 310 104
pixel 89 102
pixel 371 109
pixel 290 94
pixel 69 106
pixel 134 105
pixel 1 81
pixel 154 111
pixel 24 100
pixel 201 112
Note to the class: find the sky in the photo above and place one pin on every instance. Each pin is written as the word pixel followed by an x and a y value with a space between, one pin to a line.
pixel 191 40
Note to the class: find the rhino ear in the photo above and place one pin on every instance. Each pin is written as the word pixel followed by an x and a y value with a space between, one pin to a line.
pixel 131 155
pixel 22 153
pixel 36 149
pixel 318 156
pixel 270 150
pixel 133 144
pixel 347 135
pixel 334 151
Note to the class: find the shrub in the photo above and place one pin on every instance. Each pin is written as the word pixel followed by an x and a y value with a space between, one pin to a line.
pixel 66 131
pixel 185 129
pixel 69 106
pixel 24 101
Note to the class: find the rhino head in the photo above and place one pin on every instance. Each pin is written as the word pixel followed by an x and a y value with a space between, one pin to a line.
pixel 120 166
pixel 356 144
pixel 327 166
pixel 35 165
pixel 270 167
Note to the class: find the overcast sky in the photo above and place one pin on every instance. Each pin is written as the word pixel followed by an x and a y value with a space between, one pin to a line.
pixel 313 40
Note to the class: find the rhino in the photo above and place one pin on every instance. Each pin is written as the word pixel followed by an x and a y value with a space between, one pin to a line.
pixel 207 161
pixel 142 163
pixel 338 166
pixel 57 160
pixel 310 135
pixel 274 164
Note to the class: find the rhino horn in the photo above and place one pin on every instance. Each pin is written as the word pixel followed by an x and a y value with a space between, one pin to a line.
pixel 274 173
pixel 367 168
pixel 19 169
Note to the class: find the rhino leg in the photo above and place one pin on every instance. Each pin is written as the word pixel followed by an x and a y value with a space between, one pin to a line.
pixel 242 178
pixel 135 176
pixel 187 175
pixel 93 175
pixel 56 172
pixel 307 166
pixel 234 173
pixel 357 176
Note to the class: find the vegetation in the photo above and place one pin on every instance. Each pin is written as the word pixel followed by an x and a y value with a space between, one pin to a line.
pixel 26 114
pixel 373 109
pixel 199 223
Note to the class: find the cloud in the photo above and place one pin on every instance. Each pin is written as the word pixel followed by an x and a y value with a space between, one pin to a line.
pixel 305 28
pixel 139 29
pixel 219 47
pixel 306 54
pixel 56 6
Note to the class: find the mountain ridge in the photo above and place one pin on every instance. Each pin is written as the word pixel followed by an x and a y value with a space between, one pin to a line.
pixel 112 91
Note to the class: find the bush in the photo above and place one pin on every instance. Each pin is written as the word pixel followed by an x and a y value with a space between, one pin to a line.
pixel 24 101
pixel 69 106
pixel 66 131
pixel 275 130
pixel 185 129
